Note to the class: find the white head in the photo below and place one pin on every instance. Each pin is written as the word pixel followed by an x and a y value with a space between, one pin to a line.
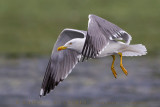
pixel 74 44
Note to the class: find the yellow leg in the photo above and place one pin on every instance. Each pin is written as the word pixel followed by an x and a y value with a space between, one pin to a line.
pixel 121 65
pixel 112 67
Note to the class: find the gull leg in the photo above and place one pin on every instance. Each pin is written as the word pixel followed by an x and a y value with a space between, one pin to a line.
pixel 121 65
pixel 112 67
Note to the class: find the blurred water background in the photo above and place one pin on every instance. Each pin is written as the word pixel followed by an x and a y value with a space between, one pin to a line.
pixel 28 30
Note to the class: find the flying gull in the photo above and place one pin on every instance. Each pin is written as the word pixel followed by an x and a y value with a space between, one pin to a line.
pixel 103 38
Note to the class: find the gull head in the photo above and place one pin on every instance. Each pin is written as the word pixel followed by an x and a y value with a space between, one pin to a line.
pixel 74 44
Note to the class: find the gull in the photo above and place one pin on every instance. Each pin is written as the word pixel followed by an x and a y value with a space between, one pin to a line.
pixel 102 39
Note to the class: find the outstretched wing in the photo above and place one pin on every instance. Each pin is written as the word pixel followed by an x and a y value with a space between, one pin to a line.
pixel 61 63
pixel 100 31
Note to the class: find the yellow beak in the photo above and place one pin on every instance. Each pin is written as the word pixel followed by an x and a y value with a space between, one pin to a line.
pixel 61 48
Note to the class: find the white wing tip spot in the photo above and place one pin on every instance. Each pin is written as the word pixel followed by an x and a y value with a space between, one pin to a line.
pixel 41 92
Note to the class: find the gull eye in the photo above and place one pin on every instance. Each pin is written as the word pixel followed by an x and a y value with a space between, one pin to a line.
pixel 70 43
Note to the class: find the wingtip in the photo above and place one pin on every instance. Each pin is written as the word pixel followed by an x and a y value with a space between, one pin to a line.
pixel 89 16
pixel 41 93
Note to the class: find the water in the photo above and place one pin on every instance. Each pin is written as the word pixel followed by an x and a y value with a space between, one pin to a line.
pixel 90 84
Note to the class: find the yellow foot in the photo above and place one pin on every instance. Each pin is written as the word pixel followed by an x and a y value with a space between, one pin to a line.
pixel 124 70
pixel 121 65
pixel 114 72
pixel 112 67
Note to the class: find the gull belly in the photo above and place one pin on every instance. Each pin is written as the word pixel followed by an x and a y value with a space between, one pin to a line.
pixel 112 48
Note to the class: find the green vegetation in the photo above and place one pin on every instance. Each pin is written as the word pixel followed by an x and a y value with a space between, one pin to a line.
pixel 32 26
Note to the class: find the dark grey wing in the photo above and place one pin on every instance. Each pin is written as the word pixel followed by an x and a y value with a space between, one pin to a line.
pixel 61 63
pixel 100 31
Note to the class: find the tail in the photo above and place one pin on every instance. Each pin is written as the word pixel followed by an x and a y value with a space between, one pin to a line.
pixel 135 50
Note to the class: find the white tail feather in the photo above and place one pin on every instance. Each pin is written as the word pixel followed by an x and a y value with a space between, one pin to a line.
pixel 135 50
